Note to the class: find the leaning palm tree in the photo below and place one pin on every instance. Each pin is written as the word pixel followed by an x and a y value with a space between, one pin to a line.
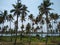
pixel 17 12
pixel 10 18
pixel 44 9
pixel 23 15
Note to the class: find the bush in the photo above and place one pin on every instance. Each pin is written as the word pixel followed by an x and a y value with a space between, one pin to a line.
pixel 37 36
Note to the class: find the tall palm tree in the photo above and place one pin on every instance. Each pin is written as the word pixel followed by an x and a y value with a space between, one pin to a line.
pixel 23 15
pixel 17 12
pixel 44 9
pixel 10 18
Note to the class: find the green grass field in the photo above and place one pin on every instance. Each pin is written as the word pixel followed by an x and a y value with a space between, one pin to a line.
pixel 26 40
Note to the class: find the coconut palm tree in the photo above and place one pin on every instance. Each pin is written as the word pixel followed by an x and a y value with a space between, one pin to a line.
pixel 44 9
pixel 10 18
pixel 3 17
pixel 28 30
pixel 23 15
pixel 17 12
pixel 54 17
pixel 5 14
pixel 31 17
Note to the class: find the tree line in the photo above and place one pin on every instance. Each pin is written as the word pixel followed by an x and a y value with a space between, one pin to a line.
pixel 20 11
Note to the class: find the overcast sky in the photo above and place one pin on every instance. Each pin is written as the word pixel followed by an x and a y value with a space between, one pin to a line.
pixel 31 4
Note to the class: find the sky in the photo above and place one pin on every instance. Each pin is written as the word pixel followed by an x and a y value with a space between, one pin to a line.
pixel 31 4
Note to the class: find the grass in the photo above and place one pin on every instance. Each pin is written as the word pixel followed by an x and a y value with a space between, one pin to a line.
pixel 26 39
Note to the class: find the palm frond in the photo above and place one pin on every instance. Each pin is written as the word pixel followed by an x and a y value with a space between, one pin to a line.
pixel 13 10
pixel 14 5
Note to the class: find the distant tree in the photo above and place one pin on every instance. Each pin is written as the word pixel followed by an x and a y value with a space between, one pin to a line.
pixel 59 28
pixel 28 30
pixel 41 27
pixel 3 18
pixel 38 37
pixel 54 17
pixel 10 18
pixel 31 17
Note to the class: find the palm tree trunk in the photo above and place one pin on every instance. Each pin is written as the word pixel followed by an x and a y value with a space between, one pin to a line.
pixel 52 29
pixel 11 31
pixel 30 39
pixel 16 27
pixel 16 31
pixel 47 27
pixel 30 33
pixel 2 29
pixel 21 31
pixel 59 33
pixel 41 34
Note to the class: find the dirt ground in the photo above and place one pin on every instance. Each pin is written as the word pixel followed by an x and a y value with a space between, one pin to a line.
pixel 25 43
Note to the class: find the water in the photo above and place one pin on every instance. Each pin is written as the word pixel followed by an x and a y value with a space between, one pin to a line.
pixel 43 35
pixel 8 34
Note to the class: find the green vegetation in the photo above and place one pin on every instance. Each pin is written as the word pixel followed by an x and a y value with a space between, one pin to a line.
pixel 44 17
pixel 34 39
